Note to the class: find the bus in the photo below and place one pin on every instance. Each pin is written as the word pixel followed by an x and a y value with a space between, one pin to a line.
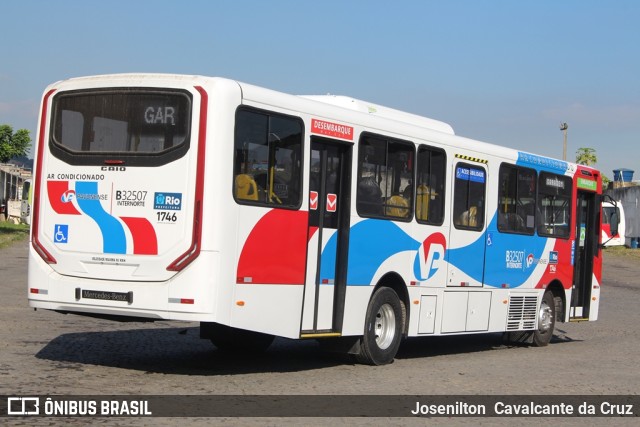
pixel 261 214
pixel 609 208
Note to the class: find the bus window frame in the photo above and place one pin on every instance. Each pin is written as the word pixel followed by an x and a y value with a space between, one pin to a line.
pixel 301 168
pixel 502 228
pixel 480 210
pixel 383 201
pixel 571 200
pixel 442 195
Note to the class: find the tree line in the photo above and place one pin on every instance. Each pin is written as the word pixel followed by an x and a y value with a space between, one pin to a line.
pixel 13 144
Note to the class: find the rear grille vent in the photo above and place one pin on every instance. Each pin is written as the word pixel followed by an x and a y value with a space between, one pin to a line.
pixel 522 312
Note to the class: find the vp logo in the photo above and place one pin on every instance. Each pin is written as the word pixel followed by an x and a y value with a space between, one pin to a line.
pixel 530 260
pixel 430 256
pixel 68 196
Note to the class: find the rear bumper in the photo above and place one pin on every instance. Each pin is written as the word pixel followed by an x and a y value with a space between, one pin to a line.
pixel 188 296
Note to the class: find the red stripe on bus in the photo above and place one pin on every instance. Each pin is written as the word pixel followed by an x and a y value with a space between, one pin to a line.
pixel 61 198
pixel 276 250
pixel 194 249
pixel 145 241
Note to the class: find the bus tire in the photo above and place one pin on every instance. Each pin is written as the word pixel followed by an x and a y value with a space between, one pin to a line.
pixel 234 340
pixel 546 320
pixel 382 330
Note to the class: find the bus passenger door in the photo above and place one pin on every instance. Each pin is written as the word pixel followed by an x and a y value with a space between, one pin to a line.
pixel 585 249
pixel 328 238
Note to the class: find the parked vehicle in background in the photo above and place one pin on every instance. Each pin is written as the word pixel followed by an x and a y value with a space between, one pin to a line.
pixel 25 206
pixel 608 209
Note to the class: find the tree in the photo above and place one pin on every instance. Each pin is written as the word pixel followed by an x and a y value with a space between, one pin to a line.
pixel 13 144
pixel 586 156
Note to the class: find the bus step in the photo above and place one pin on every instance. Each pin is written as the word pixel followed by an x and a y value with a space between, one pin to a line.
pixel 579 319
pixel 320 334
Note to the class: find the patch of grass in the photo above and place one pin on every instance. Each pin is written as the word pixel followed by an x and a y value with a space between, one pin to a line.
pixel 10 233
pixel 622 251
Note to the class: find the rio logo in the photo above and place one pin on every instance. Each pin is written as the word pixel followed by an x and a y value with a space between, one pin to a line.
pixel 167 201
pixel 430 256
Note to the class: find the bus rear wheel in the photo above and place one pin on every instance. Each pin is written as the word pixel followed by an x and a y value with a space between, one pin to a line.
pixel 383 328
pixel 546 320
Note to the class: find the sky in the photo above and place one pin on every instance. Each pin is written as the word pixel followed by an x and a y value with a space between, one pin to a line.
pixel 504 72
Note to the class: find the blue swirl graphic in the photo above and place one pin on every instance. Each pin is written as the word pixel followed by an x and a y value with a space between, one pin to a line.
pixel 114 240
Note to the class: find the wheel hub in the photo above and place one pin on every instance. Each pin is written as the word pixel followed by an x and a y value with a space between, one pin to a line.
pixel 385 326
pixel 544 317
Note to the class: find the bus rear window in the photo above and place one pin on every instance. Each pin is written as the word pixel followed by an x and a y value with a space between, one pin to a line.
pixel 127 123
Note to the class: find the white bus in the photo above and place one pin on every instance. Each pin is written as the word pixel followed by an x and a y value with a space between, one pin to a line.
pixel 262 214
pixel 609 238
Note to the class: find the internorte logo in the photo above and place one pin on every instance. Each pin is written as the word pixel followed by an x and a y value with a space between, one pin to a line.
pixel 514 259
pixel 518 260
pixel 430 256
pixel 167 201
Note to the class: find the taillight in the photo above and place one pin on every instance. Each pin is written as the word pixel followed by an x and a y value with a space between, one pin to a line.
pixel 194 249
pixel 35 226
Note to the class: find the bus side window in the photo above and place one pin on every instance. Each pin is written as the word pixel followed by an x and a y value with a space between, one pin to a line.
pixel 468 197
pixel 385 175
pixel 430 189
pixel 267 159
pixel 516 199
pixel 554 205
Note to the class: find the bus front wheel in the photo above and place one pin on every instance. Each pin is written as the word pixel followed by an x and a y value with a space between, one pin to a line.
pixel 383 328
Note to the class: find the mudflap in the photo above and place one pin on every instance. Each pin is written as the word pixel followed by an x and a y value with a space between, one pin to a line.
pixel 518 337
pixel 344 345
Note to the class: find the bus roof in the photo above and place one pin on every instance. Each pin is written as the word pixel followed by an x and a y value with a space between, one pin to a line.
pixel 382 111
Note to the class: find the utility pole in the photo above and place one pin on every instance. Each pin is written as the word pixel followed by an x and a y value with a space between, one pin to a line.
pixel 563 128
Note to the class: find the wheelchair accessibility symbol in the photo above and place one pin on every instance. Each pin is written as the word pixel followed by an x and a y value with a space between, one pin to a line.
pixel 489 239
pixel 61 233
